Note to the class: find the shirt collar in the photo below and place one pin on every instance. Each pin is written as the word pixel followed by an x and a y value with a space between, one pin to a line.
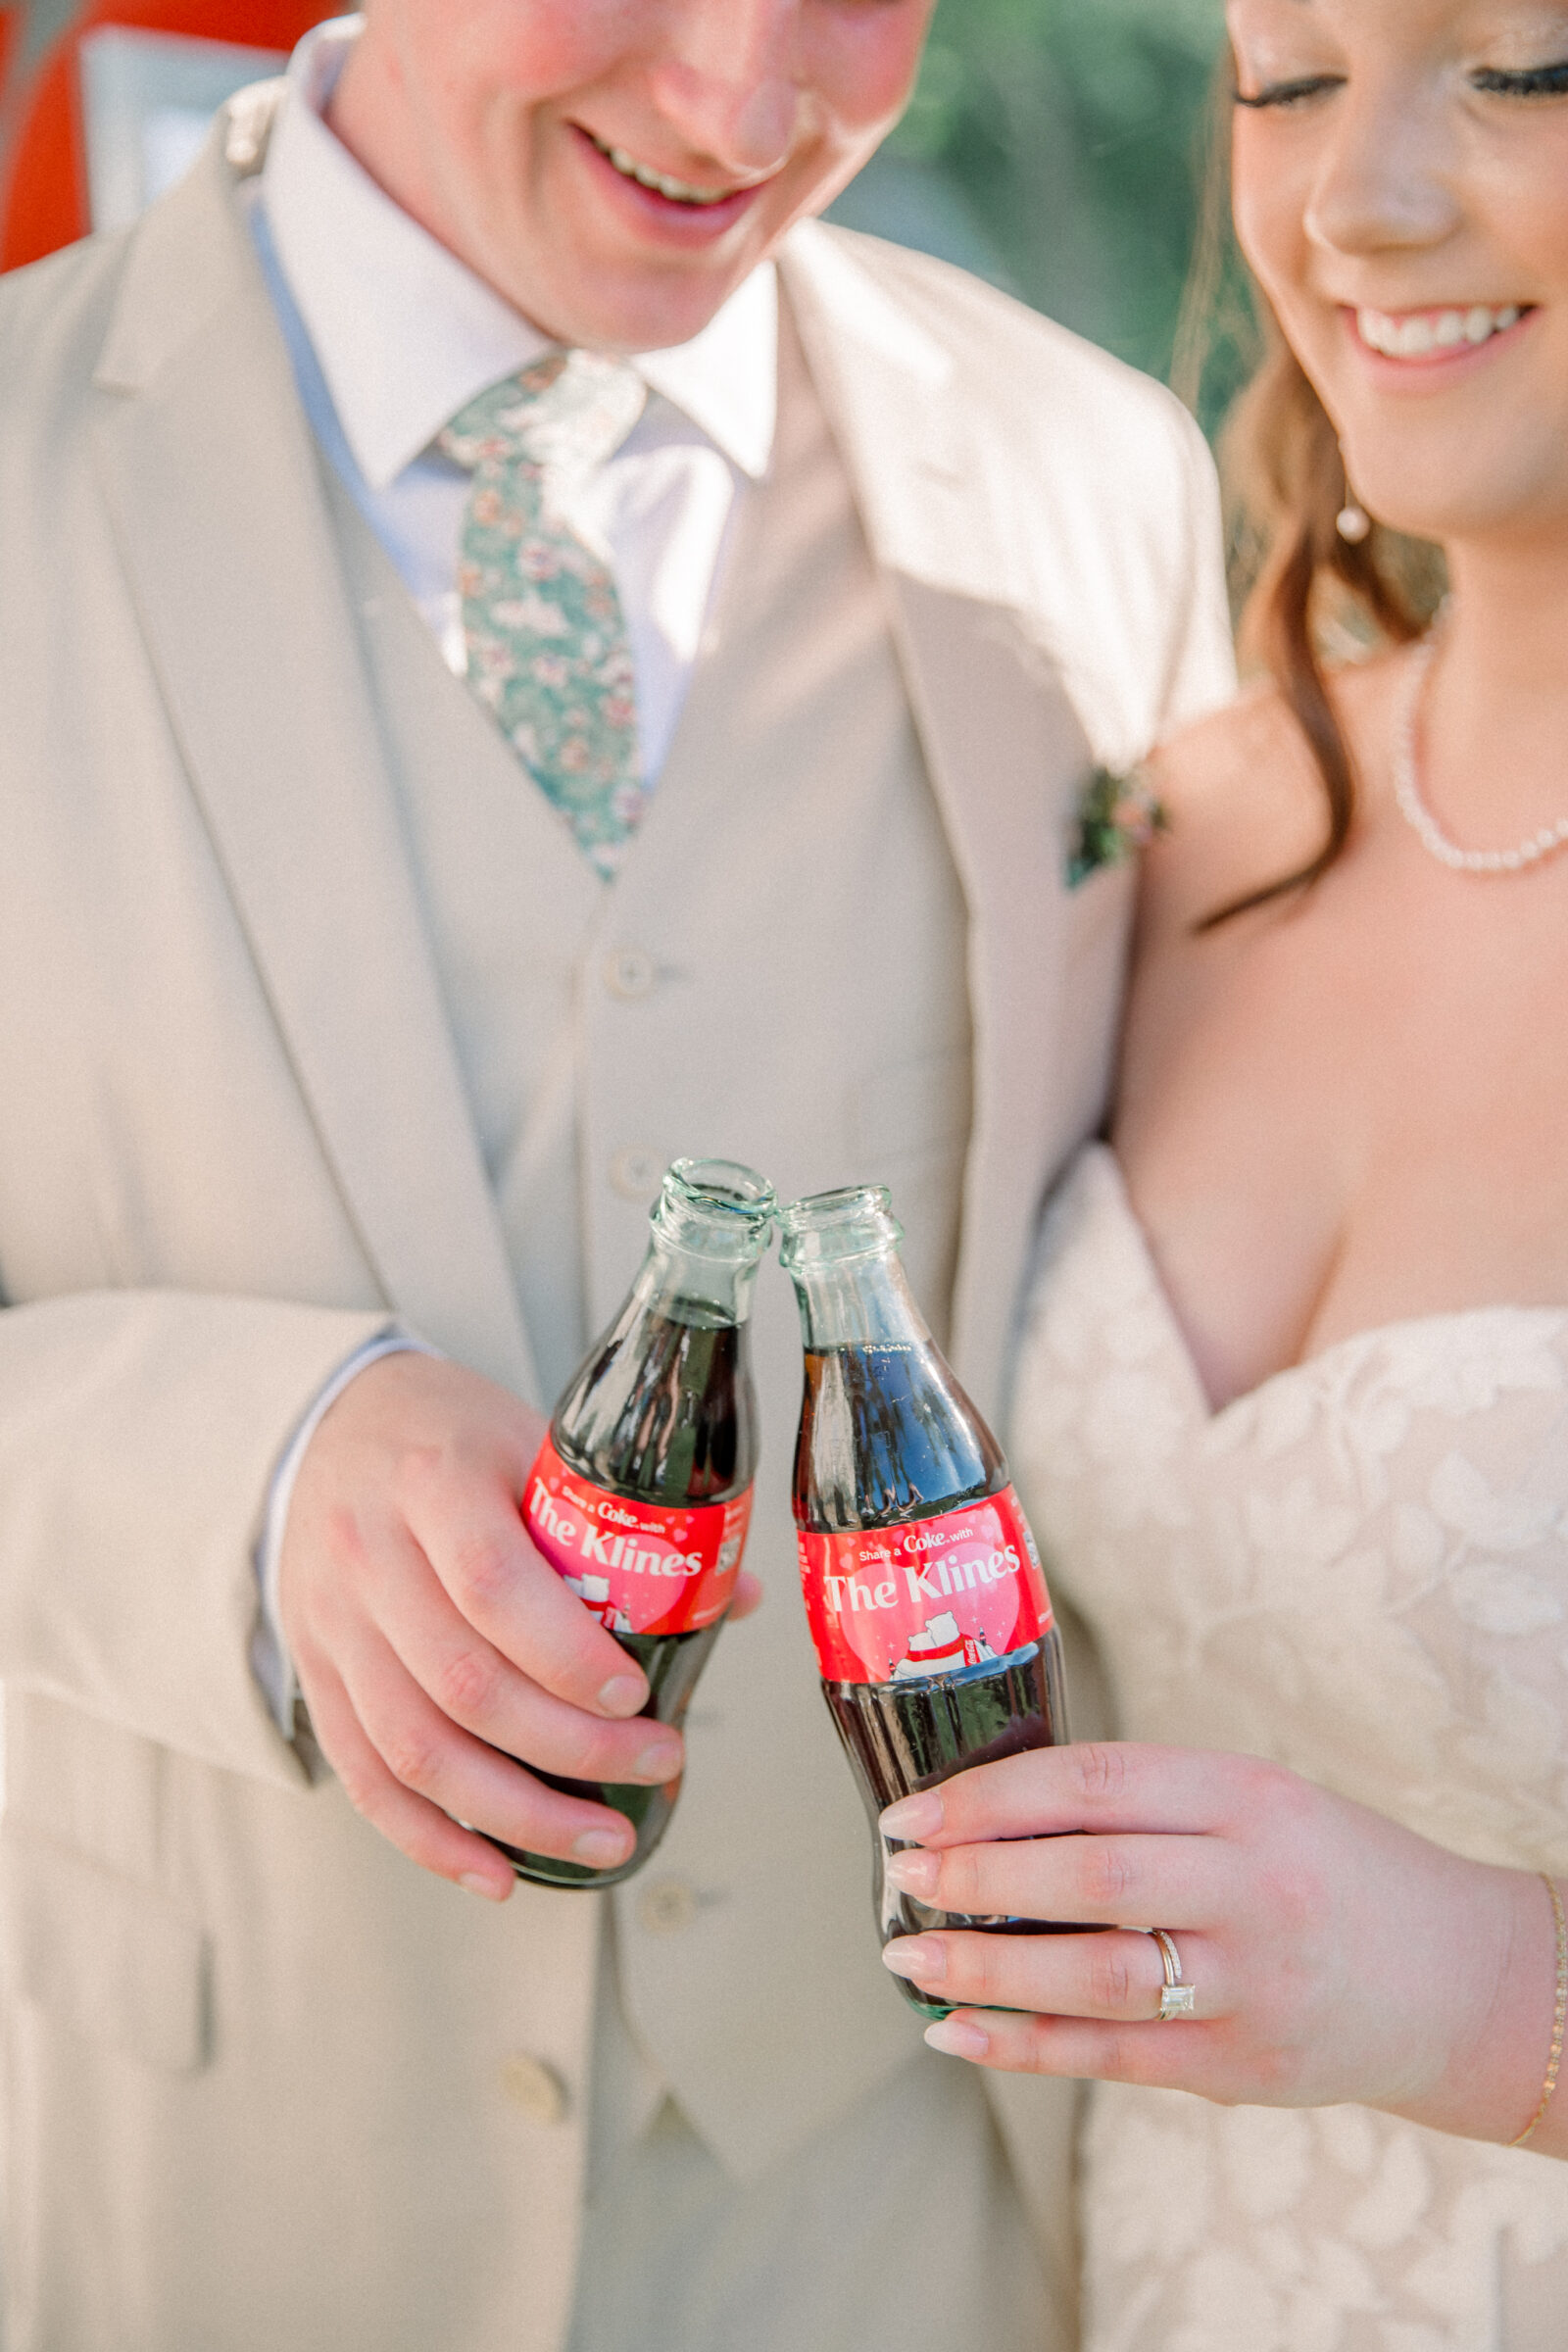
pixel 407 334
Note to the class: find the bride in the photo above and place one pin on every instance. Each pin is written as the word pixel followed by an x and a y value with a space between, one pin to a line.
pixel 1293 1408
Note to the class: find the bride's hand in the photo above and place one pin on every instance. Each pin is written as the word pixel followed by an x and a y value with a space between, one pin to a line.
pixel 1333 1955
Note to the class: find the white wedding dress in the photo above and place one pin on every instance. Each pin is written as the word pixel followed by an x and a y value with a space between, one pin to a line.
pixel 1361 1571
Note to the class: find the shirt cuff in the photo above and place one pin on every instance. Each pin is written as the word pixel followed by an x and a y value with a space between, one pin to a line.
pixel 271 1662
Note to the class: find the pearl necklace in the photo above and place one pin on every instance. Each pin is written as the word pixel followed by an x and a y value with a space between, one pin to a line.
pixel 1413 808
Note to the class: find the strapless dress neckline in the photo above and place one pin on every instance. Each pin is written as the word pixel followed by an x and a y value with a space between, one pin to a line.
pixel 1098 1167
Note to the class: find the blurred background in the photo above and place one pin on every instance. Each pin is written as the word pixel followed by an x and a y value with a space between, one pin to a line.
pixel 1054 146
pixel 1058 147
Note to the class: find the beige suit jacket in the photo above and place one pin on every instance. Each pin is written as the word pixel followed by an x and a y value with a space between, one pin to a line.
pixel 252 2055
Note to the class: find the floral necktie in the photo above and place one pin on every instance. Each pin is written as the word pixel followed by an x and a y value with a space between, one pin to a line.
pixel 547 643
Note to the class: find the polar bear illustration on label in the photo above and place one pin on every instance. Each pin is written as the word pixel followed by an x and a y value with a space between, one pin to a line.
pixel 594 1593
pixel 941 1646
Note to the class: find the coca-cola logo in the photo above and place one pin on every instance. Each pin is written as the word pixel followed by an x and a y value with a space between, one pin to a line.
pixel 604 1506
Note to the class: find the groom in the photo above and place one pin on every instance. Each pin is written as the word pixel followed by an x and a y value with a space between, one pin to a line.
pixel 378 928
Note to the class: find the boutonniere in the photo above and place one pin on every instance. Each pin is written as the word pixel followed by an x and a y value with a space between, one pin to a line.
pixel 1117 816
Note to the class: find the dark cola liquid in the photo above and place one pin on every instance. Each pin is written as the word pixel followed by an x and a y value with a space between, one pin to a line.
pixel 888 1436
pixel 661 1412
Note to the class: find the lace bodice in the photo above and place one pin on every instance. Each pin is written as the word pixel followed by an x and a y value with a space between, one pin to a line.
pixel 1360 1569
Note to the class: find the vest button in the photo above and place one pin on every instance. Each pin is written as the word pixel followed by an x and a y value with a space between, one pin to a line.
pixel 630 976
pixel 635 1173
pixel 667 1908
pixel 534 2089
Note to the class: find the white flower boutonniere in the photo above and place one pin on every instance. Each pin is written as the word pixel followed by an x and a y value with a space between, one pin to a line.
pixel 1117 816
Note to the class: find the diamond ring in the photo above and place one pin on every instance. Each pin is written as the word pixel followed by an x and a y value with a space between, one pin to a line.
pixel 1176 1999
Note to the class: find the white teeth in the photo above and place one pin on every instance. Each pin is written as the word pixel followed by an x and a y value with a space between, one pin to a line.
pixel 677 191
pixel 1418 333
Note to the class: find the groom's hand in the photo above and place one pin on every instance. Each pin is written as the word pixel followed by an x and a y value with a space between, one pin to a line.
pixel 434 1646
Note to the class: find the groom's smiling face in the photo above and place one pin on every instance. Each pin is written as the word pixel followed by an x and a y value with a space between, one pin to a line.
pixel 616 167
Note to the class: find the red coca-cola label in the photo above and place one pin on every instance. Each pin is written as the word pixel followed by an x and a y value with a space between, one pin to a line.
pixel 640 1567
pixel 887 1604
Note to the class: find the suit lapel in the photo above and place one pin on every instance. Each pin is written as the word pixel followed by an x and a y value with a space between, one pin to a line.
pixel 993 721
pixel 993 715
pixel 210 477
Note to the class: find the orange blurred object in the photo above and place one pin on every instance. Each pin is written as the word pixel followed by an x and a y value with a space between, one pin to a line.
pixel 44 204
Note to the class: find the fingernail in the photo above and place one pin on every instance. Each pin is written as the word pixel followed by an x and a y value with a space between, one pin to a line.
pixel 913 1871
pixel 600 1848
pixel 957 2039
pixel 914 1817
pixel 492 1890
pixel 661 1760
pixel 925 1963
pixel 624 1694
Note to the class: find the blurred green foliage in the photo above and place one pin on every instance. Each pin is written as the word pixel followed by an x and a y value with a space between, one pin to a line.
pixel 1075 132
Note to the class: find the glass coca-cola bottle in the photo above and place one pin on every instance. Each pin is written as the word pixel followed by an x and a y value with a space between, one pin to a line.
pixel 923 1586
pixel 642 1491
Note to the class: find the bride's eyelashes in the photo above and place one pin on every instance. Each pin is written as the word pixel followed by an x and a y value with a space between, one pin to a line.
pixel 1530 81
pixel 1289 93
pixel 1492 81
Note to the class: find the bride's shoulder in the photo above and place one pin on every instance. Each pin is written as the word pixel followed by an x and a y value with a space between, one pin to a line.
pixel 1243 798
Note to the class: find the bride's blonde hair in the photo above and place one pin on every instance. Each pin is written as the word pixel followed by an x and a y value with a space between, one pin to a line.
pixel 1305 594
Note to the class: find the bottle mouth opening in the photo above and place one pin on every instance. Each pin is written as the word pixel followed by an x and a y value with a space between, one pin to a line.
pixel 825 1213
pixel 855 1221
pixel 717 1208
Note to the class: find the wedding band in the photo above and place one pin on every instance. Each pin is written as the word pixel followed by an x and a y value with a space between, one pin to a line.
pixel 1176 1999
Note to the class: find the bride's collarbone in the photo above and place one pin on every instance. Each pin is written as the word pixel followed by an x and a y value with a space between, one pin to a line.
pixel 1349 1108
pixel 1313 1160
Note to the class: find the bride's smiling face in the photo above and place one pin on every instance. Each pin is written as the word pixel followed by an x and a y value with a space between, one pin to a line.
pixel 1402 193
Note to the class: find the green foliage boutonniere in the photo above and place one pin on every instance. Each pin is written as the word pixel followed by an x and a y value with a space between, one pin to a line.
pixel 1117 816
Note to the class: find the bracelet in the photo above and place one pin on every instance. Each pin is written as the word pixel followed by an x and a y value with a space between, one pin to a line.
pixel 1559 2015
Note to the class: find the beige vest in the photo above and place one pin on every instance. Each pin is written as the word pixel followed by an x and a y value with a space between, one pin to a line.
pixel 793 806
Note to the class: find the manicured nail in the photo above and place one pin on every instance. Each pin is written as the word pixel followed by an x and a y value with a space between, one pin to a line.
pixel 914 1873
pixel 661 1760
pixel 924 1963
pixel 494 1890
pixel 624 1694
pixel 956 2039
pixel 601 1850
pixel 914 1817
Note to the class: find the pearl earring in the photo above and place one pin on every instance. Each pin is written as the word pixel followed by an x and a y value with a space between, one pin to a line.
pixel 1352 521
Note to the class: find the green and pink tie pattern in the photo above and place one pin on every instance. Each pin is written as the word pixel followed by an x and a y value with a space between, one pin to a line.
pixel 547 645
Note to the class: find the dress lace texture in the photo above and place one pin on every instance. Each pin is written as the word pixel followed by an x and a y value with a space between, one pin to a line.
pixel 1361 1570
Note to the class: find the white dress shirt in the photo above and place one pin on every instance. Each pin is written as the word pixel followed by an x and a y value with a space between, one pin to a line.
pixel 390 334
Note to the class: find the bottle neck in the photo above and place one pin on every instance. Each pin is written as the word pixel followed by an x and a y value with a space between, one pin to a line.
pixel 690 1287
pixel 661 1406
pixel 857 1302
pixel 840 1251
pixel 707 1233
